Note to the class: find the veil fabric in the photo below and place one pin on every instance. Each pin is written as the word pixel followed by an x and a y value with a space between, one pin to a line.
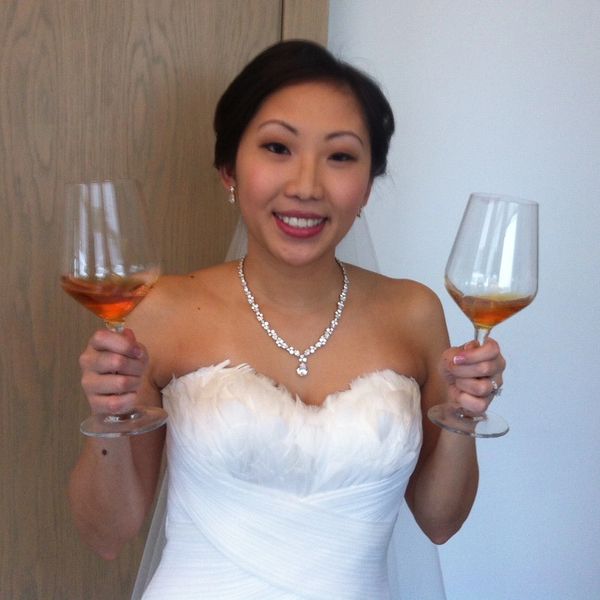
pixel 413 561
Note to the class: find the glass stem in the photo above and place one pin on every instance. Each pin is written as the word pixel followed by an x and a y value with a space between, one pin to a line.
pixel 116 326
pixel 122 417
pixel 481 334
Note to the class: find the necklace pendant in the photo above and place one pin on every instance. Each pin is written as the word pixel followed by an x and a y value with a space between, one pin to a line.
pixel 302 369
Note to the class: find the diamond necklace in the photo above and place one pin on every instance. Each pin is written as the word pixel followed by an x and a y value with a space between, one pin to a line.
pixel 302 357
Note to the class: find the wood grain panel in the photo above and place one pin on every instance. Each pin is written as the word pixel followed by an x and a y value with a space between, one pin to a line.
pixel 97 88
pixel 307 19
pixel 94 89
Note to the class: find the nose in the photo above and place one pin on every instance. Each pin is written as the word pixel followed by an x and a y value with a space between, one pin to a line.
pixel 305 182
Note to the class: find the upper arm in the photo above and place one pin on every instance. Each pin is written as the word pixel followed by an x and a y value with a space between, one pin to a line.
pixel 429 338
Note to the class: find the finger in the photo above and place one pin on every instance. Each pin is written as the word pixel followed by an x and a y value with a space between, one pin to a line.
pixel 95 384
pixel 470 345
pixel 467 354
pixel 475 404
pixel 460 355
pixel 477 370
pixel 121 343
pixel 490 350
pixel 110 362
pixel 94 363
pixel 478 387
pixel 483 387
pixel 484 361
pixel 463 399
pixel 113 404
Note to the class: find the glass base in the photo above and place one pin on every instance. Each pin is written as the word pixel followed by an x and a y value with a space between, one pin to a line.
pixel 139 420
pixel 452 418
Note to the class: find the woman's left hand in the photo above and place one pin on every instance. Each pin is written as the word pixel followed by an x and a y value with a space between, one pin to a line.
pixel 473 374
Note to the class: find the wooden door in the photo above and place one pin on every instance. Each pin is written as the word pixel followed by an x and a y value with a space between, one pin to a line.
pixel 98 88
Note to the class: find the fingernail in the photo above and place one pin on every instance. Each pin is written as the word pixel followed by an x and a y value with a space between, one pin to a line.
pixel 459 359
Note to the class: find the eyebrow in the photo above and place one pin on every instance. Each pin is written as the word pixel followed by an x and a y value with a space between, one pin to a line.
pixel 330 136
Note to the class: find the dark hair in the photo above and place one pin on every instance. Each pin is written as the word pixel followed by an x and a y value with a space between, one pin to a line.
pixel 287 63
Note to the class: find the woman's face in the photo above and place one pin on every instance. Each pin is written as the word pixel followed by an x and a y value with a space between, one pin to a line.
pixel 302 171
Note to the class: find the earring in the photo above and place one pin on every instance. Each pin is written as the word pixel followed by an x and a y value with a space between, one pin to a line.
pixel 358 215
pixel 231 196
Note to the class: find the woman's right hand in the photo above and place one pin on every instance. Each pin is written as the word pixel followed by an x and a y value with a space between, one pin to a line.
pixel 113 366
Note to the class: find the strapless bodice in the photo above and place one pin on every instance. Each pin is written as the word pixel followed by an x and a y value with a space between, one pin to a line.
pixel 243 423
pixel 273 498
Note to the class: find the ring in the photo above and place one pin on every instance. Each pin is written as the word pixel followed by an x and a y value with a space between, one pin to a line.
pixel 496 389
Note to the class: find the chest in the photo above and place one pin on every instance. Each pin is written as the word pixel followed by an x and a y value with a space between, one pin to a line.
pixel 357 346
pixel 207 329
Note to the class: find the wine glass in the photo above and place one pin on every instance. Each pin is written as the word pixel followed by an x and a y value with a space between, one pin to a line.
pixel 492 273
pixel 109 266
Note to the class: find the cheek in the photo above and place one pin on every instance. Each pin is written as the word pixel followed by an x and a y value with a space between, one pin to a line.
pixel 254 184
pixel 352 191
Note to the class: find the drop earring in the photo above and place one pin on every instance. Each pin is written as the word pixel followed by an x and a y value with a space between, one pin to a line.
pixel 231 196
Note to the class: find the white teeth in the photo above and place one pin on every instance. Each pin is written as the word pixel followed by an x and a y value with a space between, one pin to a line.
pixel 300 222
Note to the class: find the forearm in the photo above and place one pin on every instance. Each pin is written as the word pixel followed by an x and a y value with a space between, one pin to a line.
pixel 443 489
pixel 107 496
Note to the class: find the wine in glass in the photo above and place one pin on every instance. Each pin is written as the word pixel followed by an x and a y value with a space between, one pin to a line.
pixel 109 266
pixel 492 273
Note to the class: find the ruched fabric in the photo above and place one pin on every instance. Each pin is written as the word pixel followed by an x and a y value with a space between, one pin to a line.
pixel 272 499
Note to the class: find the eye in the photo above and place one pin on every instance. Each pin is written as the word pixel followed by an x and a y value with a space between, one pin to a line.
pixel 276 148
pixel 342 157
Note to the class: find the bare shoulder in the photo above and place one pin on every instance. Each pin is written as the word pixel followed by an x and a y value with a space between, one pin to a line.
pixel 180 313
pixel 173 292
pixel 401 297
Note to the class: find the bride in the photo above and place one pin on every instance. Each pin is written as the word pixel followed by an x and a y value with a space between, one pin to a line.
pixel 295 383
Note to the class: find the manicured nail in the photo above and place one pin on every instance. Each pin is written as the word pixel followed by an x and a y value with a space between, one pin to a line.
pixel 459 359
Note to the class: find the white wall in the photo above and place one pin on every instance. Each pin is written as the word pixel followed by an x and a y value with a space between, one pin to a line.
pixel 504 96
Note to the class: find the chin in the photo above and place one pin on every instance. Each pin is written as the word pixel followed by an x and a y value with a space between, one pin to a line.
pixel 299 257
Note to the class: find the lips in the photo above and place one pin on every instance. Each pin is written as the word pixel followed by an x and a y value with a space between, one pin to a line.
pixel 300 225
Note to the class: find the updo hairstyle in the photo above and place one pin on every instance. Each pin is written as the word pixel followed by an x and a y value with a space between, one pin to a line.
pixel 288 63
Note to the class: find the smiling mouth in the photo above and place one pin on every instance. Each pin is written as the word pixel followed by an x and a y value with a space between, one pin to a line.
pixel 301 222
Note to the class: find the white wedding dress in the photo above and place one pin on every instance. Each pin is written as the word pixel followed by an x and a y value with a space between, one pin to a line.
pixel 268 498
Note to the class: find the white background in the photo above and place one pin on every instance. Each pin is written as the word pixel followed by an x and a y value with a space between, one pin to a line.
pixel 504 96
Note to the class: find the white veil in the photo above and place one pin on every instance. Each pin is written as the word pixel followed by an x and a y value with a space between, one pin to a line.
pixel 413 561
